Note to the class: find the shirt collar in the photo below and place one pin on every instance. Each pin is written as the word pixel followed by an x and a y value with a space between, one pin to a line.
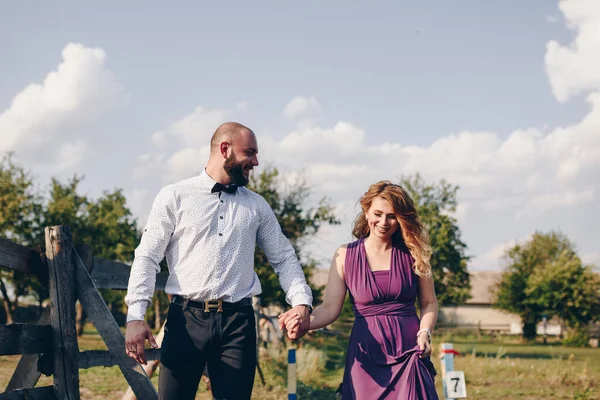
pixel 205 182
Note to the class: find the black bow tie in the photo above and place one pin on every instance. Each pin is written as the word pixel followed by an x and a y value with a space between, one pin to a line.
pixel 219 187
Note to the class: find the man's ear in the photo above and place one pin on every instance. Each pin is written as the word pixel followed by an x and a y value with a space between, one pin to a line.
pixel 224 148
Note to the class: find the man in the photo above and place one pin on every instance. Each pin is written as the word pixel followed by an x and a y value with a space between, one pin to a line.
pixel 207 228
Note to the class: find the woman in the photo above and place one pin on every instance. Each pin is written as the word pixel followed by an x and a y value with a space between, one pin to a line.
pixel 384 270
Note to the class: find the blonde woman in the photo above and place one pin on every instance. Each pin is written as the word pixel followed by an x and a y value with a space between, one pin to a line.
pixel 385 270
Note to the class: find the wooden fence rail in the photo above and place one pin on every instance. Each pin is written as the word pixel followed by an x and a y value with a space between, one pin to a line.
pixel 51 346
pixel 106 274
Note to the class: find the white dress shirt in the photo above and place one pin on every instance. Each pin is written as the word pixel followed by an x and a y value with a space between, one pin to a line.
pixel 209 241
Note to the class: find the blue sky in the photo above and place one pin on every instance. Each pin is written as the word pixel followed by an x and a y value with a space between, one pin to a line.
pixel 432 69
pixel 129 93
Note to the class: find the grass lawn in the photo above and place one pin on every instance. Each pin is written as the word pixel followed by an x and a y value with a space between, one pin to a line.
pixel 494 369
pixel 506 369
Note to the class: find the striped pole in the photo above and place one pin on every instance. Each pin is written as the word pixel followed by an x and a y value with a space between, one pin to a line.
pixel 292 374
pixel 447 364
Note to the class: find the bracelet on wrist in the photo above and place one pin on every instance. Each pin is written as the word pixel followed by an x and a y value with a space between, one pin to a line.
pixel 424 330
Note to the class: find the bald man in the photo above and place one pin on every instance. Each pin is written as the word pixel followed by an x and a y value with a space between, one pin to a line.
pixel 208 227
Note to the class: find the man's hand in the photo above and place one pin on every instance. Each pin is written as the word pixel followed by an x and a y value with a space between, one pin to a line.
pixel 136 334
pixel 301 315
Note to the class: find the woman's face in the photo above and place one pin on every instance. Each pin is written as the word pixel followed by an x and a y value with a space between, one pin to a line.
pixel 381 218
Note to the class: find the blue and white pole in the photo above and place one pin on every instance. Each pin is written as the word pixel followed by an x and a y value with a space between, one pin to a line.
pixel 292 374
pixel 447 364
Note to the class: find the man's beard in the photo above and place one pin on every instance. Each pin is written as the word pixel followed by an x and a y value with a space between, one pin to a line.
pixel 235 171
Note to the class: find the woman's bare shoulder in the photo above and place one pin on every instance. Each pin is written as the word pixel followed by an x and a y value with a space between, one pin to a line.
pixel 341 251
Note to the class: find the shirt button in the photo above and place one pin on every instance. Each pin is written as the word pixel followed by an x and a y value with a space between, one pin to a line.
pixel 221 217
pixel 221 201
pixel 220 234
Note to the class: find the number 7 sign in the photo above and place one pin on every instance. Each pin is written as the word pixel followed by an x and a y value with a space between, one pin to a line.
pixel 455 385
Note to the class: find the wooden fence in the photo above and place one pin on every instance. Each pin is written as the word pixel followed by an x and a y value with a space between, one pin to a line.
pixel 50 346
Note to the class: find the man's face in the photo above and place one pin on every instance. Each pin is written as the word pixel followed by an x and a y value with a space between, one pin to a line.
pixel 242 158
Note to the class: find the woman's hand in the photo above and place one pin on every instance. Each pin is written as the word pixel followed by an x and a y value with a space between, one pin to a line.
pixel 423 340
pixel 292 324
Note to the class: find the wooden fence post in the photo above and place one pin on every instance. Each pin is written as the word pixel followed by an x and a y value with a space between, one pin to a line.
pixel 107 327
pixel 150 367
pixel 59 245
pixel 27 372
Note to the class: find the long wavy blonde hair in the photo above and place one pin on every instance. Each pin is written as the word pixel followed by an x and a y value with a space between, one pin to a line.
pixel 411 231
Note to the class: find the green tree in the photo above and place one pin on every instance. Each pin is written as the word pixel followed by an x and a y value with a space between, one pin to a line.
pixel 105 224
pixel 20 209
pixel 544 276
pixel 568 289
pixel 436 205
pixel 64 206
pixel 298 223
pixel 20 203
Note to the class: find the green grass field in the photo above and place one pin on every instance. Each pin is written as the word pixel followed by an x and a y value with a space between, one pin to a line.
pixel 494 369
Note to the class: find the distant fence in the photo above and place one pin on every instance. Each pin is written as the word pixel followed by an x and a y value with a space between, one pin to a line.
pixel 50 346
pixel 479 329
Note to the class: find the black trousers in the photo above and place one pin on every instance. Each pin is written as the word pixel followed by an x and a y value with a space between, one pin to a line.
pixel 224 342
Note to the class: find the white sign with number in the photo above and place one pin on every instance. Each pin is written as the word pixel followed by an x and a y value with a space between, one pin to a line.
pixel 455 385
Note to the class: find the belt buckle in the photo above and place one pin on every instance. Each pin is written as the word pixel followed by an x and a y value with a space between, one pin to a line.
pixel 210 305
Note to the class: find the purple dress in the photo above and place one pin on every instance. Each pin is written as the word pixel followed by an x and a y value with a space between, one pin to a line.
pixel 383 357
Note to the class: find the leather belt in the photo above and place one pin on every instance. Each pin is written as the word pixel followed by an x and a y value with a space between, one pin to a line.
pixel 210 305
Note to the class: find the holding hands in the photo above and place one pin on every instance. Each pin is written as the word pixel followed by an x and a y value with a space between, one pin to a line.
pixel 296 321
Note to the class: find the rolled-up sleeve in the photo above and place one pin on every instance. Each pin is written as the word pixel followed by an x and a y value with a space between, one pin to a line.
pixel 149 253
pixel 281 255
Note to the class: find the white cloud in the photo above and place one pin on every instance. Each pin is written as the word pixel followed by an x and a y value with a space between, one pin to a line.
pixel 181 149
pixel 186 163
pixel 70 155
pixel 299 106
pixel 139 203
pixel 53 122
pixel 520 150
pixel 327 143
pixel 559 199
pixel 524 175
pixel 193 130
pixel 490 260
pixel 575 68
pixel 530 172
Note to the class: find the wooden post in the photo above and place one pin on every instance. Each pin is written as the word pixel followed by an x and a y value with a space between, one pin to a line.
pixel 59 246
pixel 107 327
pixel 27 373
pixel 149 368
pixel 87 256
